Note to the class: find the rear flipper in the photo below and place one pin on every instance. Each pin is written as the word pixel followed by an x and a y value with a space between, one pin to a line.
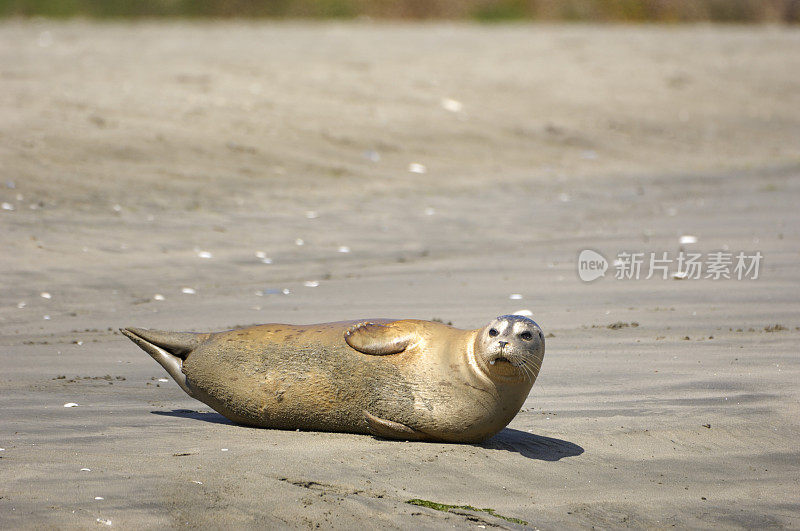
pixel 169 349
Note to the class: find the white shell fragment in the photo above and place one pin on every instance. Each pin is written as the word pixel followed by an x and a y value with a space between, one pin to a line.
pixel 158 297
pixel 204 254
pixel 189 291
pixel 415 167
pixel 99 498
pixel 104 522
pixel 311 283
pixel 70 404
pixel 311 214
pixel 7 206
pixel 343 249
pixel 452 105
pixel 299 242
pixel 163 380
pixel 688 238
pixel 86 469
pixel 45 295
pixel 523 313
pixel 515 296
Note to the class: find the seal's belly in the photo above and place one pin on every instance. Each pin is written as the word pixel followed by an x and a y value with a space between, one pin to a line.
pixel 292 385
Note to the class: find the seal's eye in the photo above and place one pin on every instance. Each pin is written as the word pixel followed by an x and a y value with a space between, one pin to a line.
pixel 493 332
pixel 526 336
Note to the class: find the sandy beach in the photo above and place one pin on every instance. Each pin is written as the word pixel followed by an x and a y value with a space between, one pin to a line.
pixel 206 176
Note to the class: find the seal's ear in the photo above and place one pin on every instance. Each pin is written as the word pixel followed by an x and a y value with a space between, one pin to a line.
pixel 377 339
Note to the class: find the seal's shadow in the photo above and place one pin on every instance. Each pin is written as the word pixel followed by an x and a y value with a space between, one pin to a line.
pixel 207 416
pixel 511 440
pixel 532 446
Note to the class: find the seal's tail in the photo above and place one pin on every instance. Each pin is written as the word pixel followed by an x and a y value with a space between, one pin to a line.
pixel 169 349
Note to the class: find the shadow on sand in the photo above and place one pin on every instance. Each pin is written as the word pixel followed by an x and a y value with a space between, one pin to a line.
pixel 207 416
pixel 531 446
pixel 511 440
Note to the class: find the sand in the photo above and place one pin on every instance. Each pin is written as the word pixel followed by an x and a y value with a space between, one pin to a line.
pixel 157 158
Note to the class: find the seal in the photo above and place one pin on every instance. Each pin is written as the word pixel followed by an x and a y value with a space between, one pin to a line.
pixel 396 379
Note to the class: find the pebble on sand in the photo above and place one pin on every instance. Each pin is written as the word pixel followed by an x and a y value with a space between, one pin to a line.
pixel 86 469
pixel 515 296
pixel 524 313
pixel 158 297
pixel 311 214
pixel 188 291
pixel 104 522
pixel 204 254
pixel 70 404
pixel 7 206
pixel 45 295
pixel 299 242
pixel 343 249
pixel 311 283
pixel 688 238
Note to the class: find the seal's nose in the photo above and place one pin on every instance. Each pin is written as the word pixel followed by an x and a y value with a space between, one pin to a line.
pixel 503 343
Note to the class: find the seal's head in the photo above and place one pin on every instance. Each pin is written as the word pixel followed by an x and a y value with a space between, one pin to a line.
pixel 511 347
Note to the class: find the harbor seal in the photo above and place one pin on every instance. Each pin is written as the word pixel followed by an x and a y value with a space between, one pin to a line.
pixel 396 379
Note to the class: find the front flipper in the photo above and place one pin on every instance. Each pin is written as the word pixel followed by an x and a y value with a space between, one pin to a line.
pixel 378 339
pixel 392 430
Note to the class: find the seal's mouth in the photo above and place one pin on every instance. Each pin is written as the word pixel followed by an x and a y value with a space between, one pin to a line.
pixel 502 359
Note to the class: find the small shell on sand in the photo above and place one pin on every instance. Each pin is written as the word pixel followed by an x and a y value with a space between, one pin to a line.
pixel 416 167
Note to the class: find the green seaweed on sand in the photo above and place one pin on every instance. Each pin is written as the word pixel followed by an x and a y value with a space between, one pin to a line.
pixel 446 508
